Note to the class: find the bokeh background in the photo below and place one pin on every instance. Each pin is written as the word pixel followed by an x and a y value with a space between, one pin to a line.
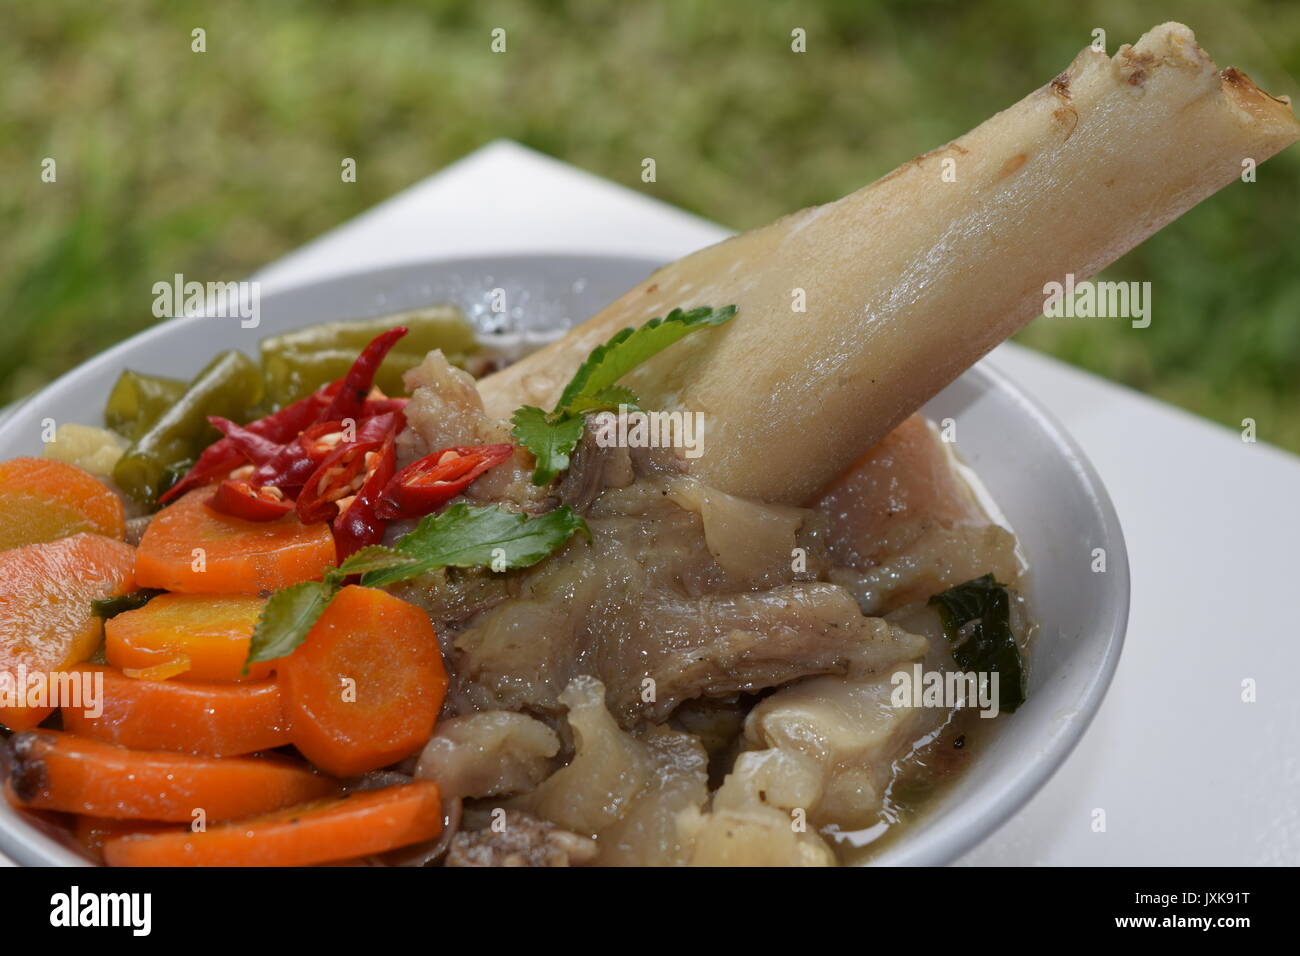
pixel 212 165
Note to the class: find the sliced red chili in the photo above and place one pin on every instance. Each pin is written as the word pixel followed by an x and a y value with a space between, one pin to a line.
pixel 355 386
pixel 254 447
pixel 378 406
pixel 242 499
pixel 282 426
pixel 342 472
pixel 357 524
pixel 218 459
pixel 425 485
pixel 294 462
pixel 346 398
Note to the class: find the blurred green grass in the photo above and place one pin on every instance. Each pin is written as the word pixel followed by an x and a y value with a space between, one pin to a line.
pixel 213 164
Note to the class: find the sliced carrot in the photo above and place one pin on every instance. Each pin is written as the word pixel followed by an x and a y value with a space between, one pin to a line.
pixel 172 668
pixel 190 548
pixel 364 689
pixel 348 826
pixel 214 719
pixel 212 632
pixel 54 770
pixel 46 620
pixel 92 832
pixel 44 500
pixel 23 718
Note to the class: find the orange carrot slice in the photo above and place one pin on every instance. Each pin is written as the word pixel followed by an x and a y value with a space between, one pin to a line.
pixel 93 832
pixel 46 621
pixel 172 668
pixel 61 771
pixel 364 689
pixel 44 500
pixel 23 718
pixel 210 633
pixel 343 827
pixel 212 719
pixel 190 548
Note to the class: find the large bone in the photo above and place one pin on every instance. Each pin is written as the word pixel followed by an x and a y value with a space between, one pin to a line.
pixel 913 278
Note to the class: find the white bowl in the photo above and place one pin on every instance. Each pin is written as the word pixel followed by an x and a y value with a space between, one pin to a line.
pixel 1040 479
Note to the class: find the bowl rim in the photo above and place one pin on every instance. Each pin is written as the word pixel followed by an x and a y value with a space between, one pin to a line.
pixel 940 844
pixel 950 839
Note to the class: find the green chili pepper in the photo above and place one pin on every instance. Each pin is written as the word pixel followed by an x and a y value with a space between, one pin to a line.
pixel 229 386
pixel 178 470
pixel 291 375
pixel 440 326
pixel 138 400
pixel 296 363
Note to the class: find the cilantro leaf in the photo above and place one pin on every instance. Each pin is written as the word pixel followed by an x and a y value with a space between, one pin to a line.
pixel 629 348
pixel 288 616
pixel 462 536
pixel 373 557
pixel 607 399
pixel 465 537
pixel 991 645
pixel 552 438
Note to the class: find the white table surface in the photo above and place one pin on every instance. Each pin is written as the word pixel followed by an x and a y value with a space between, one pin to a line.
pixel 1186 772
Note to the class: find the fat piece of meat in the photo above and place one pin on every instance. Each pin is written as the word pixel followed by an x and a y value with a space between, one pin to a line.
pixel 648 610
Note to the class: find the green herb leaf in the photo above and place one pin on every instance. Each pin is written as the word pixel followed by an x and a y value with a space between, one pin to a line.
pixel 374 557
pixel 607 399
pixel 112 607
pixel 552 438
pixel 551 441
pixel 288 616
pixel 629 348
pixel 963 603
pixel 991 645
pixel 465 537
pixel 462 537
